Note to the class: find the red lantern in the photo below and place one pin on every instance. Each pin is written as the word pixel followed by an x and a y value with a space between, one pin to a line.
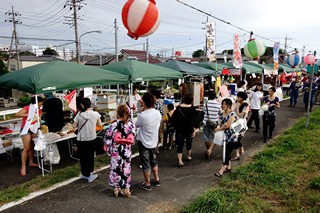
pixel 140 17
pixel 309 59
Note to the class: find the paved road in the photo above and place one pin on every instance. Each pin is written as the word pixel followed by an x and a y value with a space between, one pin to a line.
pixel 178 185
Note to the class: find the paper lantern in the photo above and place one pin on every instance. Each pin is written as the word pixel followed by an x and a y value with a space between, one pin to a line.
pixel 254 49
pixel 318 62
pixel 140 17
pixel 294 60
pixel 309 59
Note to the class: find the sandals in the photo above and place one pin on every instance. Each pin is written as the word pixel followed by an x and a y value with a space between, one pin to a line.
pixel 227 170
pixel 180 165
pixel 236 158
pixel 189 158
pixel 218 175
pixel 126 193
pixel 116 192
pixel 208 155
pixel 22 174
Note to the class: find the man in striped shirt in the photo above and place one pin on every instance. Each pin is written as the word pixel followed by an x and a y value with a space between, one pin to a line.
pixel 211 111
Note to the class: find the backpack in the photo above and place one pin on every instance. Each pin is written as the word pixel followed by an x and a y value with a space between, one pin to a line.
pixel 169 127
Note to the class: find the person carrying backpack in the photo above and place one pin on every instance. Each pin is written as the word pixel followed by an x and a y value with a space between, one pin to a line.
pixel 168 128
pixel 119 138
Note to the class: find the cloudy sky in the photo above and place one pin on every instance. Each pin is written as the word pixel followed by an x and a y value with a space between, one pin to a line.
pixel 180 27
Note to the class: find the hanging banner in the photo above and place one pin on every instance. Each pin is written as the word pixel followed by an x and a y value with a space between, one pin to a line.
pixel 276 48
pixel 237 60
pixel 235 71
pixel 211 41
pixel 71 98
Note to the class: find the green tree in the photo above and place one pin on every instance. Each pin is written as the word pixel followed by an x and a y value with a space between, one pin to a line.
pixel 49 51
pixel 27 53
pixel 3 67
pixel 198 53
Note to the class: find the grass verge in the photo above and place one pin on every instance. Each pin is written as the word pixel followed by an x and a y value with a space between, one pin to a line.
pixel 282 178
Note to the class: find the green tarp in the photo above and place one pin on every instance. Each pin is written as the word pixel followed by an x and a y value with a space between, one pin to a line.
pixel 216 67
pixel 186 68
pixel 58 75
pixel 137 71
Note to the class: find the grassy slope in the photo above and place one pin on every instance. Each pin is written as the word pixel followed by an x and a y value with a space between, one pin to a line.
pixel 284 177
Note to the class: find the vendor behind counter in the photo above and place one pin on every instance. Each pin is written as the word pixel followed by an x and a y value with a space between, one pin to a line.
pixel 53 113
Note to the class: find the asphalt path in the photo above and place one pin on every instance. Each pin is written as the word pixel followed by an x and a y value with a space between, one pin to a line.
pixel 178 185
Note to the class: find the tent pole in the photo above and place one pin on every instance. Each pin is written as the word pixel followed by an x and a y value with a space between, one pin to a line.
pixel 130 100
pixel 38 129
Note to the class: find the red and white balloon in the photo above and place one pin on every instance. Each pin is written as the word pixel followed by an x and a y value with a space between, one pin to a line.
pixel 140 17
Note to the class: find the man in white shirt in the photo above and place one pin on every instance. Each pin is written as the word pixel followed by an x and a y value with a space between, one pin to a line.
pixel 148 124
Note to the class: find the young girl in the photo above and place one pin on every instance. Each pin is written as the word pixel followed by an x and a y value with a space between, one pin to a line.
pixel 120 154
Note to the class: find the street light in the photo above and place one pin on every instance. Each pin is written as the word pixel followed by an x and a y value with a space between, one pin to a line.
pixel 94 31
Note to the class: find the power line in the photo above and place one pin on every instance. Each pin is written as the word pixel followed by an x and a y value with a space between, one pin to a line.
pixel 42 39
pixel 224 21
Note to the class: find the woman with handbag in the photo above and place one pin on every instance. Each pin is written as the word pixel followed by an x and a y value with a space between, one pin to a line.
pixel 85 122
pixel 242 110
pixel 184 120
pixel 211 115
pixel 269 116
pixel 226 118
pixel 120 153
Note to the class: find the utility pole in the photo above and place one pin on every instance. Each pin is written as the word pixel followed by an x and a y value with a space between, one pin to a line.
pixel 74 5
pixel 285 46
pixel 75 20
pixel 147 51
pixel 205 49
pixel 116 39
pixel 14 34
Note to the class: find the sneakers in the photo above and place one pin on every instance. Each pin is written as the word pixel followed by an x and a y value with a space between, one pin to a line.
pixel 157 183
pixel 144 186
pixel 92 177
pixel 83 177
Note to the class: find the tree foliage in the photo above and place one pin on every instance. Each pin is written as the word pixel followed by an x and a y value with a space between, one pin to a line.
pixel 198 53
pixel 49 51
pixel 27 53
pixel 3 67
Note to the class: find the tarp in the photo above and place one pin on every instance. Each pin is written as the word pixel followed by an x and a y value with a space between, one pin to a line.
pixel 285 68
pixel 186 68
pixel 58 75
pixel 216 67
pixel 140 71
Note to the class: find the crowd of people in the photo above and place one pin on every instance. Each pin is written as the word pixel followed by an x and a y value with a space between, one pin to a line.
pixel 175 128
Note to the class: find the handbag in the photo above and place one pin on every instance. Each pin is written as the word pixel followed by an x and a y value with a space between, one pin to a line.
pixel 210 123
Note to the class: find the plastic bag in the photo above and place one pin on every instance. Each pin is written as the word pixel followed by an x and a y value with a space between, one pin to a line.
pixel 40 142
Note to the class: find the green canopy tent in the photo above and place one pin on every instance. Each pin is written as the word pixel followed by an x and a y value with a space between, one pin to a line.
pixel 58 75
pixel 284 68
pixel 216 67
pixel 185 68
pixel 137 71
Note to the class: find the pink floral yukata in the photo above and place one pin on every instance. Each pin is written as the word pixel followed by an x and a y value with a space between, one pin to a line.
pixel 120 156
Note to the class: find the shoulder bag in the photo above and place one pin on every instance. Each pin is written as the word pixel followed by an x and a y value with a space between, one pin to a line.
pixel 210 123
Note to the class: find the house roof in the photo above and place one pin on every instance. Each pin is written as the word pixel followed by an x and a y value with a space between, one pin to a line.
pixel 96 60
pixel 84 58
pixel 141 56
pixel 39 58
